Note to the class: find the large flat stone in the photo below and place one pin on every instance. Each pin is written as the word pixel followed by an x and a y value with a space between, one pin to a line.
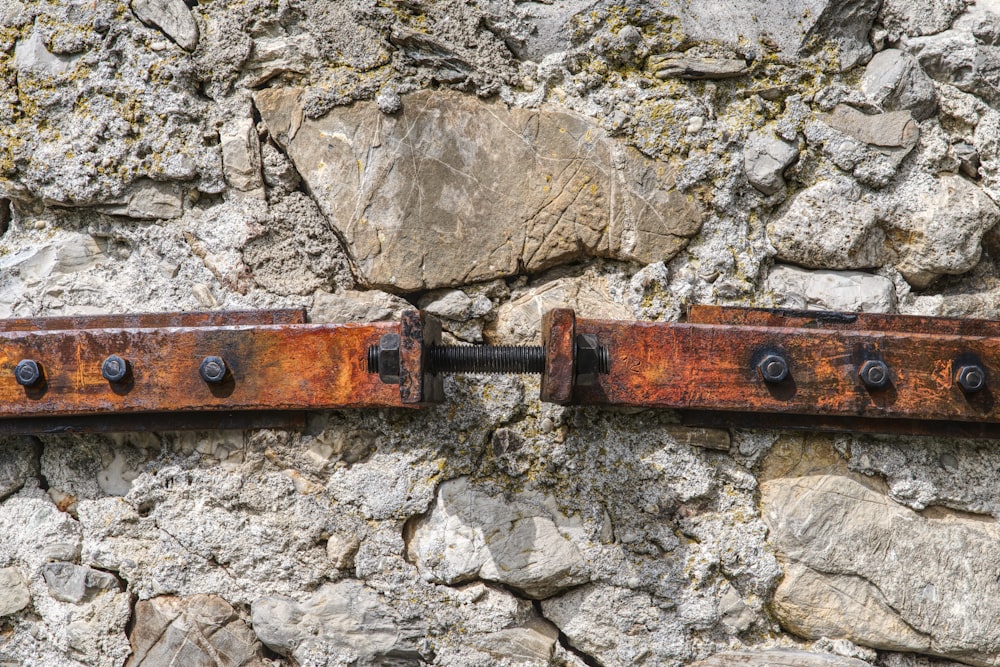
pixel 454 189
pixel 859 566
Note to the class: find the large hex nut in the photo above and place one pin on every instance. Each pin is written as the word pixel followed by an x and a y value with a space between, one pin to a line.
pixel 213 370
pixel 388 360
pixel 971 378
pixel 874 374
pixel 773 368
pixel 114 368
pixel 28 373
pixel 591 359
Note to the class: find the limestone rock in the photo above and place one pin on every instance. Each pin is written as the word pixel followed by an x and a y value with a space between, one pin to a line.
pixel 342 618
pixel 957 57
pixel 241 159
pixel 69 582
pixel 852 291
pixel 341 548
pixel 280 54
pixel 794 28
pixel 894 81
pixel 681 66
pixel 172 17
pixel 410 192
pixel 604 622
pixel 831 531
pixel 147 200
pixel 519 320
pixel 18 463
pixel 356 306
pixel 936 227
pixel 895 129
pixel 35 531
pixel 778 658
pixel 532 643
pixel 919 17
pixel 765 158
pixel 523 544
pixel 201 630
pixel 14 595
pixel 828 226
pixel 31 55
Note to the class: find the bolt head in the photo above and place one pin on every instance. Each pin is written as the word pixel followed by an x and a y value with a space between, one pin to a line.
pixel 773 368
pixel 114 368
pixel 874 374
pixel 388 358
pixel 971 378
pixel 213 370
pixel 28 373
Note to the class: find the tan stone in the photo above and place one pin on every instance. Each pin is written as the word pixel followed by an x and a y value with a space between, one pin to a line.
pixel 454 189
pixel 778 658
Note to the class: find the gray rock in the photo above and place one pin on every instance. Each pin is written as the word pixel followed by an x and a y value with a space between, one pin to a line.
pixel 831 531
pixel 470 534
pixel 778 658
pixel 14 595
pixel 279 172
pixel 681 66
pixel 894 81
pixel 919 17
pixel 147 200
pixel 533 642
pixel 241 159
pixel 596 620
pixel 172 17
pixel 852 291
pixel 574 193
pixel 519 320
pixel 18 463
pixel 828 226
pixel 451 303
pixel 937 225
pixel 895 129
pixel 69 582
pixel 197 630
pixel 32 55
pixel 340 619
pixel 36 532
pixel 280 54
pixel 354 306
pixel 958 58
pixel 341 548
pixel 795 28
pixel 765 158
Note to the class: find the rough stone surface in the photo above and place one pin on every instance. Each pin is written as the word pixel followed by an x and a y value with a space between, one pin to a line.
pixel 526 545
pixel 18 463
pixel 831 290
pixel 830 530
pixel 894 81
pixel 938 228
pixel 344 619
pixel 765 157
pixel 409 192
pixel 199 630
pixel 14 595
pixel 828 226
pixel 172 17
pixel 920 17
pixel 74 583
pixel 778 658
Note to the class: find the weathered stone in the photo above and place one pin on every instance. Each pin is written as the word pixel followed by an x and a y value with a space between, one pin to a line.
pixel 604 622
pixel 828 226
pixel 522 544
pixel 681 66
pixel 794 28
pixel 147 200
pixel 439 174
pixel 831 290
pixel 936 227
pixel 18 463
pixel 894 81
pixel 283 54
pixel 778 658
pixel 172 17
pixel 958 58
pixel 14 595
pixel 341 548
pixel 895 129
pixel 519 320
pixel 765 158
pixel 454 304
pixel 340 618
pixel 279 172
pixel 831 531
pixel 197 631
pixel 35 531
pixel 30 55
pixel 919 17
pixel 69 582
pixel 241 160
pixel 354 306
pixel 532 643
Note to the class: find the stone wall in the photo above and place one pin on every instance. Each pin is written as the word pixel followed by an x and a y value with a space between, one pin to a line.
pixel 486 161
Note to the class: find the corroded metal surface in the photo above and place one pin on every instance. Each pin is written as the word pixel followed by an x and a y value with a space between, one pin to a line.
pixel 714 367
pixel 559 339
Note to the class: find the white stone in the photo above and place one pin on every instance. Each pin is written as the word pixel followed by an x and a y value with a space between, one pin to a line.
pixel 356 306
pixel 31 55
pixel 172 17
pixel 765 157
pixel 14 595
pixel 241 158
pixel 852 291
pixel 147 200
pixel 341 548
pixel 471 534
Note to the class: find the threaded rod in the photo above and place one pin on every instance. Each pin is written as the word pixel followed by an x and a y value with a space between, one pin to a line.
pixel 487 359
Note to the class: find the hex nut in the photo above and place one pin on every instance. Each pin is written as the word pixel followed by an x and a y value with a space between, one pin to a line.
pixel 591 359
pixel 114 368
pixel 874 374
pixel 388 358
pixel 28 373
pixel 213 370
pixel 971 378
pixel 773 368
